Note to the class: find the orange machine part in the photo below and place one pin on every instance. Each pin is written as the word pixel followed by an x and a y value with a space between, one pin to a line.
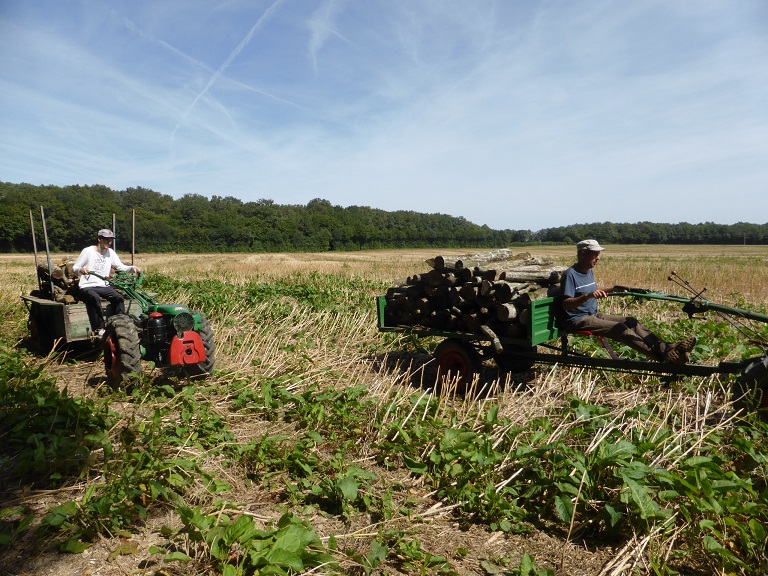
pixel 186 350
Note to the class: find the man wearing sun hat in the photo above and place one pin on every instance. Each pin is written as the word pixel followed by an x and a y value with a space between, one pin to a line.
pixel 579 295
pixel 100 259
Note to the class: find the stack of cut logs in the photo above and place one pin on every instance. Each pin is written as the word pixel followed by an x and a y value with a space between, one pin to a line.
pixel 64 286
pixel 479 293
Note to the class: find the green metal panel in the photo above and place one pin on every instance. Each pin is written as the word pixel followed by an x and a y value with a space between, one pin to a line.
pixel 542 326
pixel 381 306
pixel 76 323
pixel 168 309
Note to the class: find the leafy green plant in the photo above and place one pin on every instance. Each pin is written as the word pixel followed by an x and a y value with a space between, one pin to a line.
pixel 47 434
pixel 13 522
pixel 239 547
pixel 343 491
pixel 527 567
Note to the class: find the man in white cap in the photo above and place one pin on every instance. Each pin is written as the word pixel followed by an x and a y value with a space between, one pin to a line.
pixel 100 259
pixel 580 293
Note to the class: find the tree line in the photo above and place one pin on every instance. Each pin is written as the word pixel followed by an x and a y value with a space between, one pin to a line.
pixel 195 223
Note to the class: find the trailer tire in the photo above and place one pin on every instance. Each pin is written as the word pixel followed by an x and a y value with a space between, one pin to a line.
pixel 202 370
pixel 40 332
pixel 515 363
pixel 122 350
pixel 457 360
pixel 750 390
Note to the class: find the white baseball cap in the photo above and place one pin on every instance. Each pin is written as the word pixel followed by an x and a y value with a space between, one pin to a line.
pixel 591 245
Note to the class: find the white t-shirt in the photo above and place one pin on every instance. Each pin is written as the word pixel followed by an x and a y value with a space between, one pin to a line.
pixel 100 263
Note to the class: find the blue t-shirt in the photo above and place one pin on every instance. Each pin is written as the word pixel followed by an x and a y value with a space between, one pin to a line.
pixel 573 284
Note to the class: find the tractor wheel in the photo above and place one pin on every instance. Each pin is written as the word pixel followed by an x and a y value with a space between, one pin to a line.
pixel 122 350
pixel 750 391
pixel 204 369
pixel 515 363
pixel 457 360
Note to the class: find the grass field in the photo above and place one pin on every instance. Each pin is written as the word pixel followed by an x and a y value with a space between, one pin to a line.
pixel 319 446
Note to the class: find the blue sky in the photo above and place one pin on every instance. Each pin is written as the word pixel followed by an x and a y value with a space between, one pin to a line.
pixel 512 113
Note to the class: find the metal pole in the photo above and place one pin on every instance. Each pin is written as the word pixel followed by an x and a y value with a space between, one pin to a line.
pixel 133 234
pixel 114 231
pixel 48 253
pixel 34 247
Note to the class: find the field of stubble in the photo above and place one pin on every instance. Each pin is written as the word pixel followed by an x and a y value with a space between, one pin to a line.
pixel 319 445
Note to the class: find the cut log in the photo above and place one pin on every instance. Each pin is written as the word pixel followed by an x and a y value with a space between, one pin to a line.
pixel 437 278
pixel 505 291
pixel 544 275
pixel 445 263
pixel 491 301
pixel 469 291
pixel 494 339
pixel 482 259
pixel 507 312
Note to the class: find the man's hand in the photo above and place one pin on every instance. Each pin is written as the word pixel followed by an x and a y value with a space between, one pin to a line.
pixel 598 294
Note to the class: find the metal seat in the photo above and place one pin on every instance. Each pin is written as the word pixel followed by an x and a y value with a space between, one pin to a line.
pixel 602 339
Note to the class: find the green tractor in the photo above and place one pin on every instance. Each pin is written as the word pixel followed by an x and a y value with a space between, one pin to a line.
pixel 167 334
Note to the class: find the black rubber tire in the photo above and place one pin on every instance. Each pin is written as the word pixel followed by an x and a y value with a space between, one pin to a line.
pixel 40 332
pixel 204 369
pixel 750 390
pixel 122 349
pixel 514 363
pixel 459 360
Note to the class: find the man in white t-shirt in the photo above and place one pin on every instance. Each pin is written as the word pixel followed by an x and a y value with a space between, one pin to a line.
pixel 100 259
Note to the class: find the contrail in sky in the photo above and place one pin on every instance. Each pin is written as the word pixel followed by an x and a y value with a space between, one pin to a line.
pixel 216 75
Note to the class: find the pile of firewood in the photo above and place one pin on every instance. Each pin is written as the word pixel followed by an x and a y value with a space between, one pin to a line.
pixel 61 277
pixel 486 293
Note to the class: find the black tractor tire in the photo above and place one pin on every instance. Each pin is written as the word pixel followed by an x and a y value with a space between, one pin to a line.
pixel 202 370
pixel 457 360
pixel 122 349
pixel 750 390
pixel 515 363
pixel 41 333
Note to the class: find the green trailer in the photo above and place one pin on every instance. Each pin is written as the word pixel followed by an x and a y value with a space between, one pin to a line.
pixel 460 354
pixel 51 322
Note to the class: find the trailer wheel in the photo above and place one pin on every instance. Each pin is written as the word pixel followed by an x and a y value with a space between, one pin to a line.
pixel 750 390
pixel 457 360
pixel 122 351
pixel 40 332
pixel 204 369
pixel 516 362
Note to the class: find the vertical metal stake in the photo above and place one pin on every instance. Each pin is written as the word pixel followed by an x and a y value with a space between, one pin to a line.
pixel 34 247
pixel 133 234
pixel 48 254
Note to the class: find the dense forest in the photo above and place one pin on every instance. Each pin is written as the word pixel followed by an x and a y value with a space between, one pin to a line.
pixel 194 223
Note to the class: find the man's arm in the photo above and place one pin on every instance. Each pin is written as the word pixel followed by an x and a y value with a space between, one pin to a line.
pixel 576 301
pixel 81 264
pixel 119 266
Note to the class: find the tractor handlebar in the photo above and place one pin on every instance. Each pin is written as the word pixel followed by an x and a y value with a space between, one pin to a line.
pixel 123 280
pixel 691 306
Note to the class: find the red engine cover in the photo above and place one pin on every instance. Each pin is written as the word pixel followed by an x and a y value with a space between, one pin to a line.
pixel 186 350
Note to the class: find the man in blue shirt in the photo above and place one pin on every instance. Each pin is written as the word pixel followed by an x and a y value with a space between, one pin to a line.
pixel 580 293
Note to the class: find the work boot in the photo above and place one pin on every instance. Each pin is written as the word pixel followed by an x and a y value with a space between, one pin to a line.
pixel 687 344
pixel 676 355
